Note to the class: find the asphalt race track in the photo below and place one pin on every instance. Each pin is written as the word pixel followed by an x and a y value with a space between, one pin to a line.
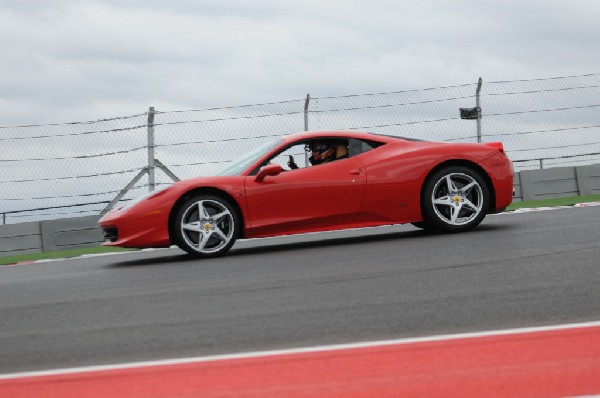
pixel 515 270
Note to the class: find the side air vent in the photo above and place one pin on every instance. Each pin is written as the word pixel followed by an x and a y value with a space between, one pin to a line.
pixel 110 234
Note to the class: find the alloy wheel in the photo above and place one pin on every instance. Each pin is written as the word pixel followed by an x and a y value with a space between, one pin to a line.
pixel 207 226
pixel 457 199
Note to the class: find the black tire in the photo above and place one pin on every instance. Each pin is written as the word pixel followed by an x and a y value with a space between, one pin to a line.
pixel 455 199
pixel 206 226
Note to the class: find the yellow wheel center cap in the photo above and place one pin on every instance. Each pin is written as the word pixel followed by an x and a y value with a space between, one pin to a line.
pixel 207 226
pixel 457 199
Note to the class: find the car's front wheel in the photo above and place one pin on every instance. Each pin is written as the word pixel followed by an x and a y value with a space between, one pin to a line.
pixel 206 226
pixel 455 199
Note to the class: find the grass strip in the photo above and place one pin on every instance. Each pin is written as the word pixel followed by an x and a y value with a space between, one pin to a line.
pixel 60 254
pixel 570 201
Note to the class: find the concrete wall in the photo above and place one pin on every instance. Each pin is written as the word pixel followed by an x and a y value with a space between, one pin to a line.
pixel 70 233
pixel 25 238
pixel 588 179
pixel 518 196
pixel 559 182
pixel 43 236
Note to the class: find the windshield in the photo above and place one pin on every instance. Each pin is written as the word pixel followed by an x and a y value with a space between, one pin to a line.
pixel 237 166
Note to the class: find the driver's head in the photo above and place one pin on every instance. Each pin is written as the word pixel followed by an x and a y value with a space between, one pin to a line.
pixel 321 151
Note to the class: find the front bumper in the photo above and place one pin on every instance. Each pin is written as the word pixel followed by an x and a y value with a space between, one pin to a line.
pixel 129 229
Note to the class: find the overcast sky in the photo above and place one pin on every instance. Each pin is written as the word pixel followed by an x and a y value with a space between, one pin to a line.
pixel 84 60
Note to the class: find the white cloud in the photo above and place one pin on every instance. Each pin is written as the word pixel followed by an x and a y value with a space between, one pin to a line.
pixel 84 60
pixel 77 58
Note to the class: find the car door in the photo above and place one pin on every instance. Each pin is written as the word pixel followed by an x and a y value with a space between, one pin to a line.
pixel 306 199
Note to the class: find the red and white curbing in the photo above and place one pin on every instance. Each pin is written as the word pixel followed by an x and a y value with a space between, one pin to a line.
pixel 546 361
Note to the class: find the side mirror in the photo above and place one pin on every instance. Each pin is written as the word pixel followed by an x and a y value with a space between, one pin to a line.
pixel 268 170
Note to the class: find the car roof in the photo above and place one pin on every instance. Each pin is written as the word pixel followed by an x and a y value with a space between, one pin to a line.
pixel 346 134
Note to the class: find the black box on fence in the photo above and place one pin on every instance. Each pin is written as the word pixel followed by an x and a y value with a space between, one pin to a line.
pixel 470 113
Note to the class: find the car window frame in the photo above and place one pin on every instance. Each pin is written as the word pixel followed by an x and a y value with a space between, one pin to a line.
pixel 300 142
pixel 305 141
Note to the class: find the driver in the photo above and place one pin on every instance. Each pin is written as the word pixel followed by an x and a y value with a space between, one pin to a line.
pixel 327 151
pixel 323 152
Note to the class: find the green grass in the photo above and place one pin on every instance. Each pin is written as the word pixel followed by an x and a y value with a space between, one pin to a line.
pixel 570 201
pixel 102 249
pixel 60 254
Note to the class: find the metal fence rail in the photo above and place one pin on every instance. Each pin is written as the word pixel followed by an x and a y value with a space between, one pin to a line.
pixel 56 170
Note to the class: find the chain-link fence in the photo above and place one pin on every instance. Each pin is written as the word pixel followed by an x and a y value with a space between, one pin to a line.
pixel 77 168
pixel 57 168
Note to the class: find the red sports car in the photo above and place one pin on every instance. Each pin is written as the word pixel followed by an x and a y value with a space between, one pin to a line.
pixel 321 181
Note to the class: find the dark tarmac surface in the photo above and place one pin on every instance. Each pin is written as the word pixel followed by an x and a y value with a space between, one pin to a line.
pixel 514 270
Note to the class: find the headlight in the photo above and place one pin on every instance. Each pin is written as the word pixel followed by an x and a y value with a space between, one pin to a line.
pixel 139 199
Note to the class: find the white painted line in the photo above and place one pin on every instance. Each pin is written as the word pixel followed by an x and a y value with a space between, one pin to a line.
pixel 305 350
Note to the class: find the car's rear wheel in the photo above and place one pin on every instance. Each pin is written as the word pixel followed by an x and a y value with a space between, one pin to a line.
pixel 206 226
pixel 455 199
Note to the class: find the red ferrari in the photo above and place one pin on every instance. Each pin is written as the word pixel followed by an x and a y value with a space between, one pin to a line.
pixel 320 181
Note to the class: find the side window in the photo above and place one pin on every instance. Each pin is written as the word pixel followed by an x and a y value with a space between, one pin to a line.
pixel 312 152
pixel 361 146
pixel 297 154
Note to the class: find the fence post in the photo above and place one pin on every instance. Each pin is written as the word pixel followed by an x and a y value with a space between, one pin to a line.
pixel 306 112
pixel 541 163
pixel 151 175
pixel 478 107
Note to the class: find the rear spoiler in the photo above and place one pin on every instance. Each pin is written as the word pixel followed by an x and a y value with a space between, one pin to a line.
pixel 496 145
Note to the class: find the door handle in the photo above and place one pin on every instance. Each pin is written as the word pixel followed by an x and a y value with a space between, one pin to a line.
pixel 355 172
